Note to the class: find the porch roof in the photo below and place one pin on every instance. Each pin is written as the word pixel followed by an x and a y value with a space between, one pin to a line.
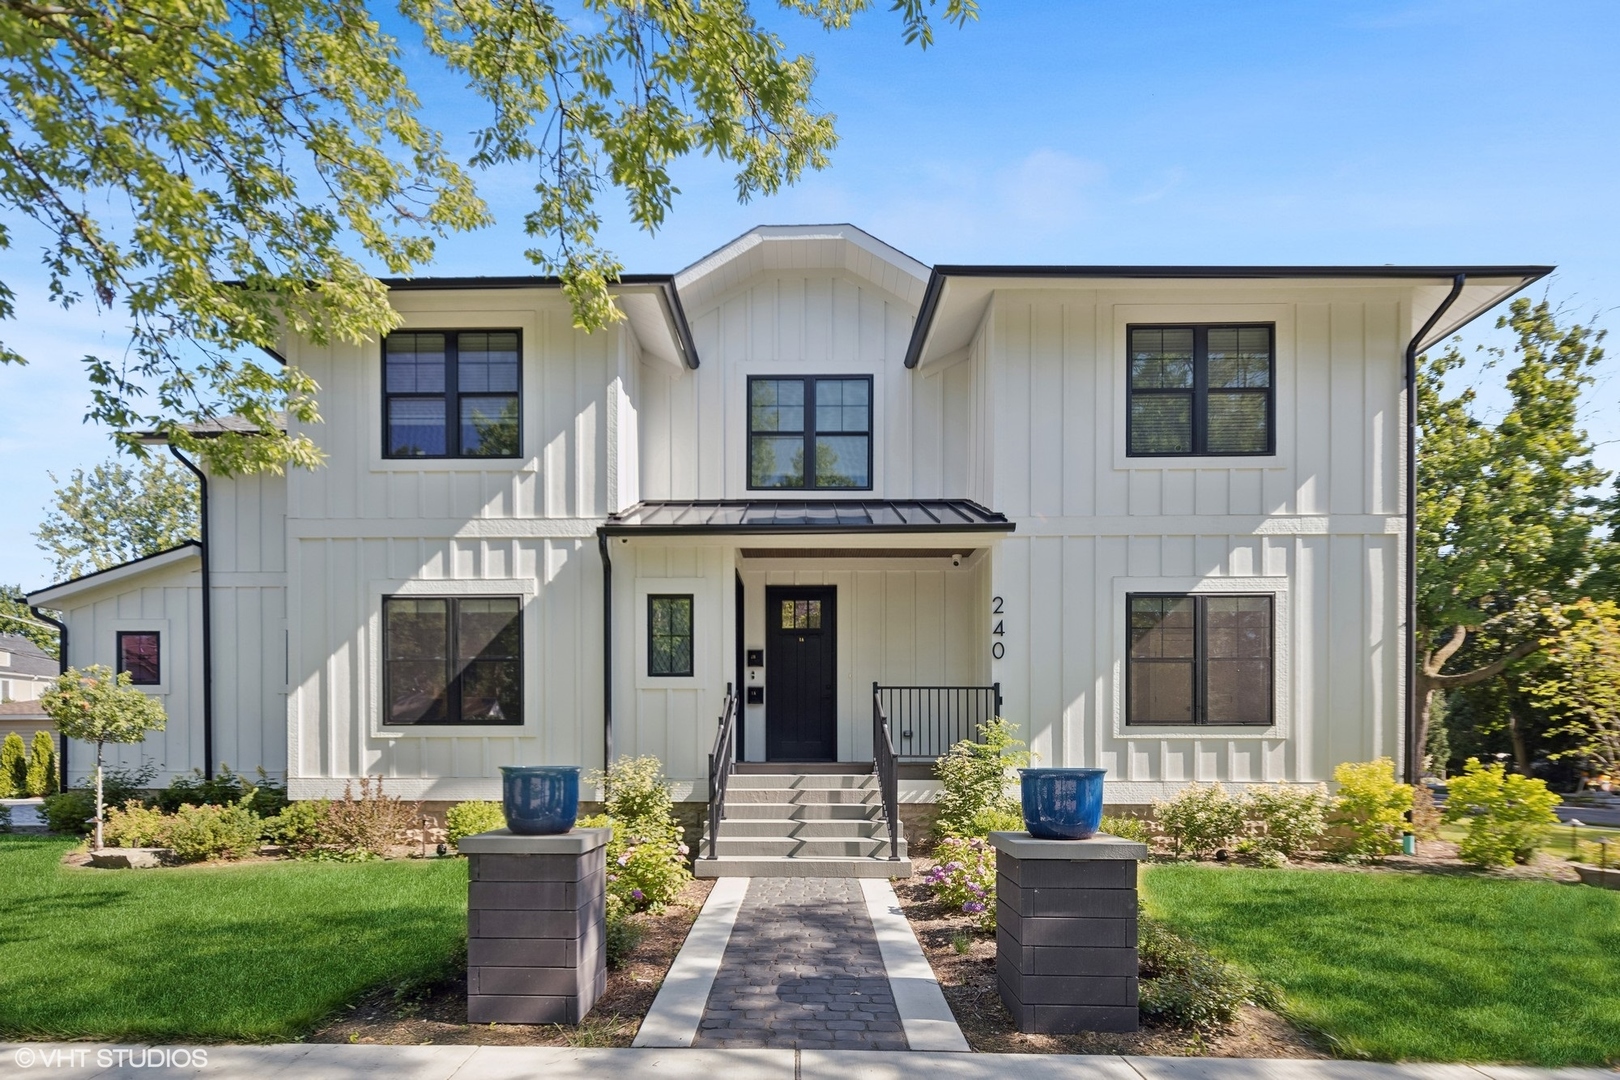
pixel 786 516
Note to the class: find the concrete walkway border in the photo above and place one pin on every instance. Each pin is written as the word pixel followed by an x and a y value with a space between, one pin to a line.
pixel 927 1019
pixel 302 1061
pixel 678 1009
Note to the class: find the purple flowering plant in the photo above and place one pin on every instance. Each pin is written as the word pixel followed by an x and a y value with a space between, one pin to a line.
pixel 964 878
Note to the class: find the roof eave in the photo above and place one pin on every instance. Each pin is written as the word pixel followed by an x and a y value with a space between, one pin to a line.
pixel 112 575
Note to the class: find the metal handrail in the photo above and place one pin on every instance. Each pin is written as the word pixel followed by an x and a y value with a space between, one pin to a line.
pixel 888 774
pixel 720 767
pixel 932 719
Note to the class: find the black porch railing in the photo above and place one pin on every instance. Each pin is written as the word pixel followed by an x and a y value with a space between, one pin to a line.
pixel 888 772
pixel 929 720
pixel 721 764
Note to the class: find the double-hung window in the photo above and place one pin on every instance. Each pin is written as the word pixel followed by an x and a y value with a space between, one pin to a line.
pixel 452 660
pixel 1200 660
pixel 451 394
pixel 1201 391
pixel 810 432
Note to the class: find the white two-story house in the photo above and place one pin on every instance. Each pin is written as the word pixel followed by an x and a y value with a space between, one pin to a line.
pixel 1155 516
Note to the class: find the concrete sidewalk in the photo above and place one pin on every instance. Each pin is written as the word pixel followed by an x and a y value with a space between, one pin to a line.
pixel 298 1061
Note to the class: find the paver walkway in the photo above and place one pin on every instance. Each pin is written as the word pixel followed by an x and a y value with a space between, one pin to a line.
pixel 802 971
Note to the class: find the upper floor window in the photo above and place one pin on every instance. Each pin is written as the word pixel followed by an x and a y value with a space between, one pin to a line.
pixel 810 432
pixel 449 393
pixel 452 660
pixel 1199 660
pixel 138 655
pixel 1201 391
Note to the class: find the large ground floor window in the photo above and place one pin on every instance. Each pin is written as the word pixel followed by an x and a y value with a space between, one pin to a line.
pixel 452 660
pixel 1200 660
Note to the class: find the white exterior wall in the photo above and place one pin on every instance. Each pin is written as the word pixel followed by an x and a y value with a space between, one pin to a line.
pixel 169 601
pixel 247 538
pixel 1319 525
pixel 364 527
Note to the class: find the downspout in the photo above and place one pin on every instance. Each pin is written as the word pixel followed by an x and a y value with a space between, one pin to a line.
pixel 61 666
pixel 1413 751
pixel 207 616
pixel 602 541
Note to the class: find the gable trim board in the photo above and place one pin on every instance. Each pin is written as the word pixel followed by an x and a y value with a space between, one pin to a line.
pixel 998 475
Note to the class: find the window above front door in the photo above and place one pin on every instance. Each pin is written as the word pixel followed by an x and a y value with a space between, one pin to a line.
pixel 810 432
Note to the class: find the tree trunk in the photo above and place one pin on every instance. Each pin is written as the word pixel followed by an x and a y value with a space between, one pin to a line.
pixel 1427 678
pixel 1521 754
pixel 1425 706
pixel 100 814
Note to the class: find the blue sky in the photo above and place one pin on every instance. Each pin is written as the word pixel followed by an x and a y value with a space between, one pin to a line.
pixel 1101 131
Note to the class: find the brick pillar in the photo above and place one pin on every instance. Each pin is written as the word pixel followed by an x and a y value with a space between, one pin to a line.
pixel 1066 932
pixel 536 943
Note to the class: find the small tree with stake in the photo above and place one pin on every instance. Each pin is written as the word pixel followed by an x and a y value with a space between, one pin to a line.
pixel 98 706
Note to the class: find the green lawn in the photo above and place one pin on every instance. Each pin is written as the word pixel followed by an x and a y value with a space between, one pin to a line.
pixel 1416 967
pixel 256 952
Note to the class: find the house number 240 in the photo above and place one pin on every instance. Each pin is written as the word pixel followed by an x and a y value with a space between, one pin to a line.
pixel 998 649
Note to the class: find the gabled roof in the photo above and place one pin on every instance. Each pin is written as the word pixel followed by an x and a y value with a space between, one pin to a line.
pixel 117 575
pixel 956 296
pixel 783 516
pixel 802 247
pixel 26 657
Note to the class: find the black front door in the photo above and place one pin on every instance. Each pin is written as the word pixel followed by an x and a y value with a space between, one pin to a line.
pixel 801 672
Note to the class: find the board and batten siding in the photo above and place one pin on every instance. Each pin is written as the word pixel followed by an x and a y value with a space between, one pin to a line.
pixel 169 601
pixel 364 527
pixel 806 322
pixel 1319 525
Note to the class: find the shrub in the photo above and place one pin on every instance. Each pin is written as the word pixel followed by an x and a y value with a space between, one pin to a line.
pixel 1597 852
pixel 991 819
pixel 964 878
pixel 1288 819
pixel 1128 828
pixel 121 783
pixel 214 832
pixel 1425 814
pixel 70 811
pixel 42 765
pixel 1370 810
pixel 975 778
pixel 470 818
pixel 13 766
pixel 1184 986
pixel 5 819
pixel 623 933
pixel 645 870
pixel 298 827
pixel 1199 820
pixel 365 825
pixel 226 788
pixel 1508 815
pixel 136 825
pixel 636 792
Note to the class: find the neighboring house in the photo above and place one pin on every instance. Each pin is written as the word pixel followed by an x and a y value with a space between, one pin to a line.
pixel 25 718
pixel 25 670
pixel 1154 515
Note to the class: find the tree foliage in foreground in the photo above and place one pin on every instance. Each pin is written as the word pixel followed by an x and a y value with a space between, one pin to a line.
pixel 17 618
pixel 97 705
pixel 117 512
pixel 1506 514
pixel 1580 684
pixel 174 148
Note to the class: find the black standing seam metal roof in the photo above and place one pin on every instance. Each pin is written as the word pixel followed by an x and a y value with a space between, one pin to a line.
pixel 736 516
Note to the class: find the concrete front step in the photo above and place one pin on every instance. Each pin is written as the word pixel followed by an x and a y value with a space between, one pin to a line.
pixel 802 795
pixel 746 811
pixel 760 782
pixel 843 829
pixel 793 847
pixel 769 866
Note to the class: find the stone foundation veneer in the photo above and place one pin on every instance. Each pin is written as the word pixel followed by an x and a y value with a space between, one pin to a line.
pixel 536 941
pixel 1066 932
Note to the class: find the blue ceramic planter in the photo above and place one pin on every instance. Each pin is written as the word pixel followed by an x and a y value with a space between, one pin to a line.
pixel 540 800
pixel 1062 804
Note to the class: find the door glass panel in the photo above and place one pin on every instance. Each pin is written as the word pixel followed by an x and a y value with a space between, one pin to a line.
pixel 801 615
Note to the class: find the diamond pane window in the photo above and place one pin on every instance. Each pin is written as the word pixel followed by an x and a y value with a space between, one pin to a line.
pixel 669 635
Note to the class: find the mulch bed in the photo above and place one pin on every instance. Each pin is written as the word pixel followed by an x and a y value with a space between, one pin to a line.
pixel 438 1013
pixel 969 982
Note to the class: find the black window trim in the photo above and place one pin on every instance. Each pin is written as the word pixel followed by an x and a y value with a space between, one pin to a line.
pixel 452 393
pixel 1200 661
pixel 452 646
pixel 1201 391
pixel 118 652
pixel 691 654
pixel 810 429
